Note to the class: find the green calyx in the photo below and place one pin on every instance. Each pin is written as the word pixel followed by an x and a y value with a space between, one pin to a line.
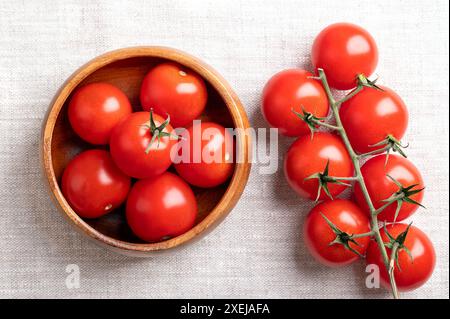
pixel 342 238
pixel 157 131
pixel 324 179
pixel 403 195
pixel 398 244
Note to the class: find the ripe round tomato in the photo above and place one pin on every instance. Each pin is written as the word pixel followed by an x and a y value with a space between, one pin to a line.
pixel 95 109
pixel 93 185
pixel 211 162
pixel 371 115
pixel 413 272
pixel 381 187
pixel 293 89
pixel 309 156
pixel 344 51
pixel 172 89
pixel 130 140
pixel 318 235
pixel 161 207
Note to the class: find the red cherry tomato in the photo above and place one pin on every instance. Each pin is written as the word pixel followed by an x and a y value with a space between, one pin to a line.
pixel 95 109
pixel 211 162
pixel 293 89
pixel 318 235
pixel 309 156
pixel 161 207
pixel 413 272
pixel 372 115
pixel 172 89
pixel 93 185
pixel 344 51
pixel 130 140
pixel 381 187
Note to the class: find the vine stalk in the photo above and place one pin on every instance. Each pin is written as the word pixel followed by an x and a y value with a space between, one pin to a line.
pixel 358 175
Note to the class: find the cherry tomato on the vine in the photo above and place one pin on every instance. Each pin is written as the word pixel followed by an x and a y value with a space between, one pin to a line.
pixel 380 186
pixel 371 115
pixel 93 185
pixel 318 234
pixel 293 90
pixel 95 109
pixel 169 88
pixel 344 51
pixel 161 207
pixel 211 163
pixel 308 156
pixel 413 271
pixel 132 148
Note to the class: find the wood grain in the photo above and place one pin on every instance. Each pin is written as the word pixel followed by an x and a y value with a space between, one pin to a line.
pixel 126 68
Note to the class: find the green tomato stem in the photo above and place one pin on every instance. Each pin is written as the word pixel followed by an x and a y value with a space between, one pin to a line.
pixel 391 270
pixel 374 152
pixel 379 210
pixel 359 178
pixel 351 94
pixel 349 179
pixel 326 125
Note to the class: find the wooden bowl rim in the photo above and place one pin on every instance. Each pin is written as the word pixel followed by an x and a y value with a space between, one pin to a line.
pixel 233 104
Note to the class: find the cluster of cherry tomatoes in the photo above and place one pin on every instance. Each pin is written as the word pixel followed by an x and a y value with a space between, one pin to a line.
pixel 135 150
pixel 319 165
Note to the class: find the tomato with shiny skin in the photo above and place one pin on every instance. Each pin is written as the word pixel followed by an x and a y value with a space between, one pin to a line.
pixel 344 51
pixel 169 88
pixel 95 109
pixel 308 156
pixel 413 272
pixel 213 163
pixel 318 235
pixel 161 207
pixel 93 185
pixel 381 187
pixel 371 115
pixel 293 90
pixel 131 138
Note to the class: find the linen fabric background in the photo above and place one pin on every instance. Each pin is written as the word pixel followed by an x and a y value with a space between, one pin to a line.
pixel 257 252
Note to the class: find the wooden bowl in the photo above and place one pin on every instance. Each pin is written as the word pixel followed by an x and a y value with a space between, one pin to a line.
pixel 126 68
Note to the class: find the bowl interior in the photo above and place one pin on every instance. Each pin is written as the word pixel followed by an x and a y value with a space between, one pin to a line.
pixel 127 74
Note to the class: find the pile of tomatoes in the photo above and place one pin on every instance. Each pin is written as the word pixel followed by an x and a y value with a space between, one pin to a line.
pixel 136 149
pixel 319 164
